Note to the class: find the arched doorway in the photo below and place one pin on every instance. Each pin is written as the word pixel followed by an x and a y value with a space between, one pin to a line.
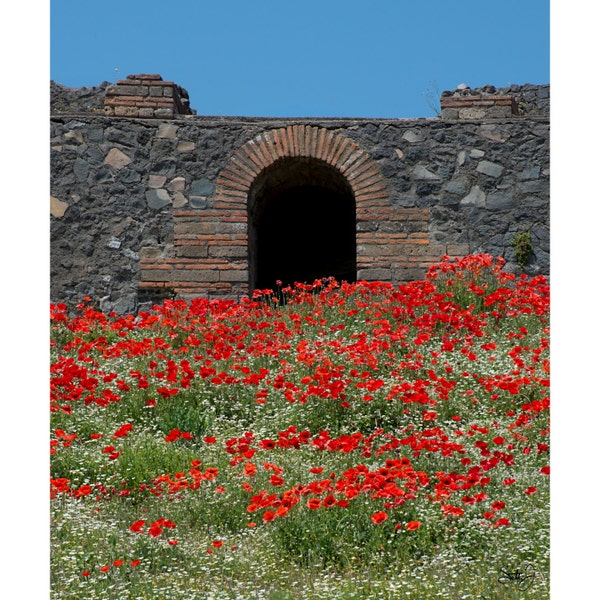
pixel 301 224
pixel 309 182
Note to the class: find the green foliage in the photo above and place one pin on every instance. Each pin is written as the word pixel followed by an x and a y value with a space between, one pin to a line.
pixel 523 248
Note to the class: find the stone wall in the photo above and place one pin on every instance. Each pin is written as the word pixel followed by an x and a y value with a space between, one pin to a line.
pixel 144 208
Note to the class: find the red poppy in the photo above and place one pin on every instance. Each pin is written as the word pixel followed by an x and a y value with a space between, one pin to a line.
pixel 268 516
pixel 84 490
pixel 134 563
pixel 85 574
pixel 531 490
pixel 545 470
pixel 217 543
pixel 118 562
pixel 123 431
pixel 329 501
pixel 412 525
pixel 137 526
pixel 172 542
pixel 313 503
pixel 105 568
pixel 276 480
pixel 502 522
pixel 173 435
pixel 379 517
pixel 155 530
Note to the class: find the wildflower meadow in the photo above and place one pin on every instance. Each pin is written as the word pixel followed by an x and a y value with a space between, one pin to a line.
pixel 320 441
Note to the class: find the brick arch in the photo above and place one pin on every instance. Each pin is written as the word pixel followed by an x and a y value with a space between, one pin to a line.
pixel 212 245
pixel 351 166
pixel 340 152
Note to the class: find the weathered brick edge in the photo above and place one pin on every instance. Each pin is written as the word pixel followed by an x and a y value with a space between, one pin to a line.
pixel 478 106
pixel 211 245
pixel 145 96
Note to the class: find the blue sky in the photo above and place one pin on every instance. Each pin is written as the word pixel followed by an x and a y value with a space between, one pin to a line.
pixel 349 58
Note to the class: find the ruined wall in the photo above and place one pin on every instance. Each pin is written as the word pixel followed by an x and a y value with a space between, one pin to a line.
pixel 147 207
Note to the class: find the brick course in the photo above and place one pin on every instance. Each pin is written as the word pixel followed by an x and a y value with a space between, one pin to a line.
pixel 145 96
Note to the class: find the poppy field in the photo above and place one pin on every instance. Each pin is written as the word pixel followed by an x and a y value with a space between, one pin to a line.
pixel 329 441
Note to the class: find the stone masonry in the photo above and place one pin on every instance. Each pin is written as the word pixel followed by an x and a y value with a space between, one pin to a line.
pixel 153 204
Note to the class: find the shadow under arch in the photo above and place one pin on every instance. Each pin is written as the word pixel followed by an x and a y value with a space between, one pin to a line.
pixel 302 173
pixel 301 224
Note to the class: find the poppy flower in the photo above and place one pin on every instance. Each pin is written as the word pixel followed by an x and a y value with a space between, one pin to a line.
pixel 329 501
pixel 502 523
pixel 85 574
pixel 118 562
pixel 172 542
pixel 412 525
pixel 217 543
pixel 545 470
pixel 84 490
pixel 104 568
pixel 313 503
pixel 268 516
pixel 531 490
pixel 134 563
pixel 137 526
pixel 379 517
pixel 155 530
pixel 173 435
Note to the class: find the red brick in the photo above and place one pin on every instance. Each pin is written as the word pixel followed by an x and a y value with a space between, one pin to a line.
pixel 291 140
pixel 281 142
pixel 336 153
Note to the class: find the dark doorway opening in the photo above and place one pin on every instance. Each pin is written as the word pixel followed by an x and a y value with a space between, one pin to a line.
pixel 302 224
